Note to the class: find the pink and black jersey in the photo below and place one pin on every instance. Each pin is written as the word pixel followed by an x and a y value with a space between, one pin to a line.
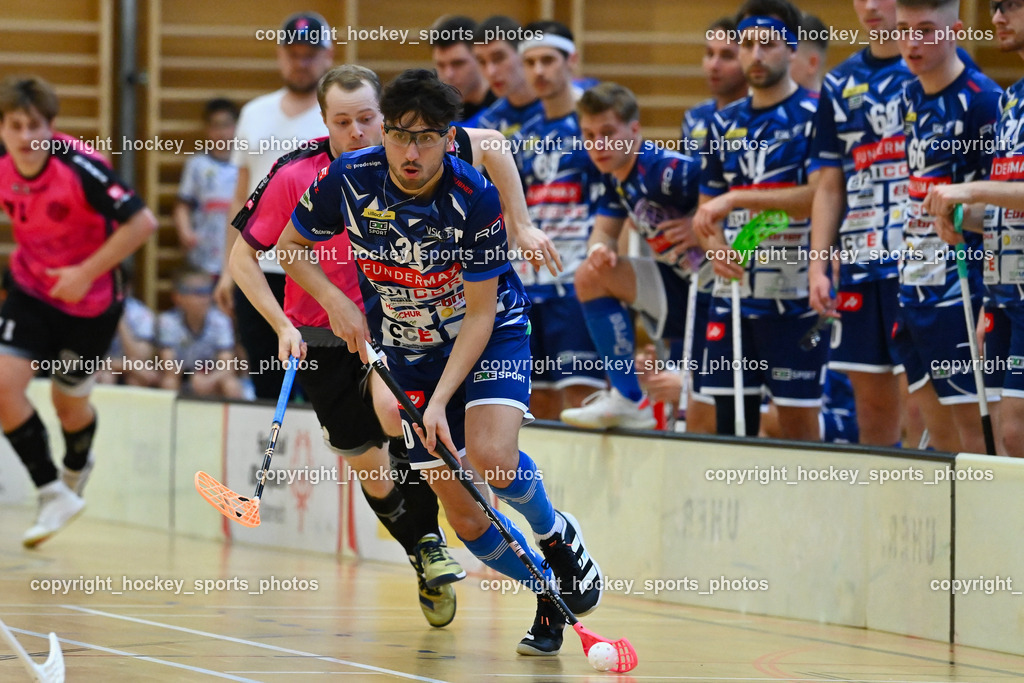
pixel 1004 228
pixel 949 139
pixel 61 217
pixel 270 214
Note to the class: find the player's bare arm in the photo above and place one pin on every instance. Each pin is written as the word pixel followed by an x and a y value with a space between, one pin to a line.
pixel 602 246
pixel 347 321
pixel 245 270
pixel 974 196
pixel 475 332
pixel 826 217
pixel 73 282
pixel 712 239
pixel 222 292
pixel 492 149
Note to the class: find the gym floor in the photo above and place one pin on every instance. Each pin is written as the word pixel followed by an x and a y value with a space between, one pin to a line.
pixel 361 620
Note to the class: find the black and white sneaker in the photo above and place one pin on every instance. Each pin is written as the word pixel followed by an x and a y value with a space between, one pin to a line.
pixel 579 577
pixel 544 639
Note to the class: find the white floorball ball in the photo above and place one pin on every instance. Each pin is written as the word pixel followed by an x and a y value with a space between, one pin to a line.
pixel 602 656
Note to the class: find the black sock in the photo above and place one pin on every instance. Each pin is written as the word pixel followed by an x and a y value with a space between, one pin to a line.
pixel 419 497
pixel 32 445
pixel 725 420
pixel 78 444
pixel 393 513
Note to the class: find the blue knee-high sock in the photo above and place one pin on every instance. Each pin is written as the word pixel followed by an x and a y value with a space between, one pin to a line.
pixel 612 331
pixel 492 550
pixel 527 496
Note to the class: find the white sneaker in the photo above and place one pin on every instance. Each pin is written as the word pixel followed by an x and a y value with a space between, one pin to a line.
pixel 58 505
pixel 609 408
pixel 75 479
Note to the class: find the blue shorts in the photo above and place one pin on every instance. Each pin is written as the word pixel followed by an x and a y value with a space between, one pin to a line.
pixel 772 358
pixel 500 376
pixel 560 342
pixel 932 342
pixel 869 311
pixel 1004 350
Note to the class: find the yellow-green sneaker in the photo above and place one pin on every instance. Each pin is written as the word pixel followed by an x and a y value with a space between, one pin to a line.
pixel 435 563
pixel 438 604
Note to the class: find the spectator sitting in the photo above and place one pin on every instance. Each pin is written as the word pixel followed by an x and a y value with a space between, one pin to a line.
pixel 199 339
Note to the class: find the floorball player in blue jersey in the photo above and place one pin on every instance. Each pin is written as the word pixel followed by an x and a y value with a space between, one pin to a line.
pixel 428 237
pixel 947 101
pixel 1004 224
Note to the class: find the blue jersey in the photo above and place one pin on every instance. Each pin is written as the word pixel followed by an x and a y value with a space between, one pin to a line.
pixel 506 118
pixel 414 254
pixel 696 120
pixel 662 185
pixel 964 112
pixel 563 189
pixel 1004 228
pixel 858 129
pixel 764 149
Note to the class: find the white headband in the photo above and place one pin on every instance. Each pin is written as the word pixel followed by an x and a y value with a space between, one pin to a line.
pixel 548 40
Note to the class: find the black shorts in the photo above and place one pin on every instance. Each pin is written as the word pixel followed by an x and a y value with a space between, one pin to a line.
pixel 335 381
pixel 70 347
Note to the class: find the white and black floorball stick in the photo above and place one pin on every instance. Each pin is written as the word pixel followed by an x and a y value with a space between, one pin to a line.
pixel 50 671
pixel 625 658
pixel 972 339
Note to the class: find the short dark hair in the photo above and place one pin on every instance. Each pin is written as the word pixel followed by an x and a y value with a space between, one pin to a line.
pixel 219 104
pixel 610 96
pixel 421 93
pixel 548 26
pixel 727 24
pixel 348 77
pixel 508 28
pixel 812 25
pixel 28 92
pixel 782 10
pixel 452 30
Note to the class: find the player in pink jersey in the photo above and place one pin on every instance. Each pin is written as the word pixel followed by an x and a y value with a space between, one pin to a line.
pixel 331 376
pixel 74 221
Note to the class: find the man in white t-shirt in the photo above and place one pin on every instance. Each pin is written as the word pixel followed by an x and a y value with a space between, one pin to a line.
pixel 272 125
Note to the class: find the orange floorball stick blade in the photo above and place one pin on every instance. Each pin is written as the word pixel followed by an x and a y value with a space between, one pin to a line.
pixel 627 655
pixel 241 509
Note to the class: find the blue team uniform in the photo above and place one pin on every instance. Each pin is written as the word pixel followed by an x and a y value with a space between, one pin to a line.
pixel 506 118
pixel 663 185
pixel 413 263
pixel 563 189
pixel 764 149
pixel 696 120
pixel 933 327
pixel 1004 240
pixel 857 129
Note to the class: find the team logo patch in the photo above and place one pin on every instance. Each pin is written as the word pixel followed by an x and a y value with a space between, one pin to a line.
pixel 322 174
pixel 306 201
pixel 418 399
pixel 849 301
pixel 990 322
pixel 715 332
